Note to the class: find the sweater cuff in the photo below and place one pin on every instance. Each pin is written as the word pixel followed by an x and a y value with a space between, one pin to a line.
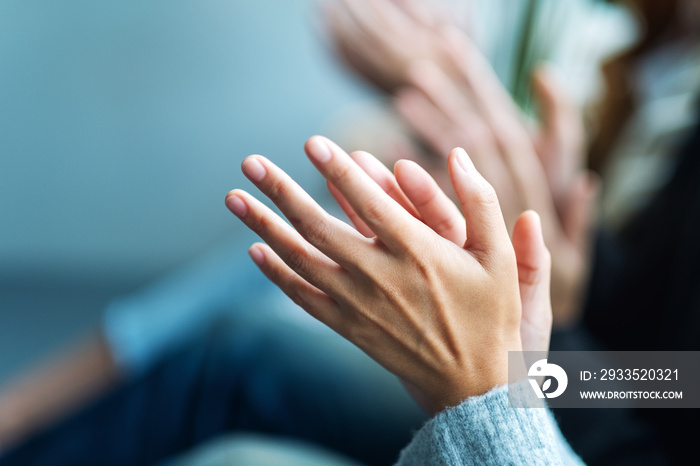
pixel 485 430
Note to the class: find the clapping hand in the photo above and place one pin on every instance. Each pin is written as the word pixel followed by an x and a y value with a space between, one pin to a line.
pixel 439 314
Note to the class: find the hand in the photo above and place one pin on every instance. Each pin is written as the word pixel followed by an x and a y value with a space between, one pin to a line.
pixel 440 316
pixel 417 192
pixel 541 172
pixel 379 39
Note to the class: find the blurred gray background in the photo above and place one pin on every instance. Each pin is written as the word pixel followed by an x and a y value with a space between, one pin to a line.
pixel 122 127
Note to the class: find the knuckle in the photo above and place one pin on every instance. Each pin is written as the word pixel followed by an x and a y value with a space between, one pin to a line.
pixel 420 260
pixel 375 209
pixel 407 242
pixel 318 231
pixel 277 190
pixel 423 267
pixel 445 225
pixel 297 297
pixel 487 194
pixel 358 334
pixel 340 174
pixel 298 260
pixel 261 224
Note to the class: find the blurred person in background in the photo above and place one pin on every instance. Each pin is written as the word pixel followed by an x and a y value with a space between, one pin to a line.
pixel 644 141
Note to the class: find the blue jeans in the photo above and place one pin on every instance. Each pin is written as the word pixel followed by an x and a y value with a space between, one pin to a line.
pixel 247 375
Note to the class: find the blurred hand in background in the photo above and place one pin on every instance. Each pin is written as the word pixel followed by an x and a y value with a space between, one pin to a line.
pixel 380 39
pixel 540 169
pixel 449 96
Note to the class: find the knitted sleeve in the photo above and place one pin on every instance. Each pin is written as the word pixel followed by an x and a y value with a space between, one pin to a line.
pixel 485 430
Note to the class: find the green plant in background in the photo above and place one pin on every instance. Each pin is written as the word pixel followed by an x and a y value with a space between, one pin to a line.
pixel 521 80
pixel 542 24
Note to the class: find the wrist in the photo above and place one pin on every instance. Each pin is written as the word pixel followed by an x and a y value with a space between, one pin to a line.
pixel 477 378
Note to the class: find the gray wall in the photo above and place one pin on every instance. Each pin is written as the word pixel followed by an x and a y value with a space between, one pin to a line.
pixel 122 126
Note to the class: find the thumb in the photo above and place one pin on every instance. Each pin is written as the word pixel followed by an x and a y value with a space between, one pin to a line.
pixel 559 113
pixel 559 141
pixel 580 209
pixel 534 268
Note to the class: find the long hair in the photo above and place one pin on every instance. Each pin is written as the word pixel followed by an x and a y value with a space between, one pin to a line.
pixel 660 21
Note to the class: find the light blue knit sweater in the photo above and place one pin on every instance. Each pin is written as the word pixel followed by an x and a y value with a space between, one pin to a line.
pixel 485 430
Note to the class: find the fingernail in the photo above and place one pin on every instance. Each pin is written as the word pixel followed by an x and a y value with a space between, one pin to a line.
pixel 257 255
pixel 253 169
pixel 538 221
pixel 464 162
pixel 318 149
pixel 236 205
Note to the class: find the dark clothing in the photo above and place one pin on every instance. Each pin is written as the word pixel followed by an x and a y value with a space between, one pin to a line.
pixel 645 288
pixel 258 377
pixel 644 294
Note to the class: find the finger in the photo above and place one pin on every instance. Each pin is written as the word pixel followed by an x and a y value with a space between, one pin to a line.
pixel 580 209
pixel 502 116
pixel 427 121
pixel 375 18
pixel 354 46
pixel 442 100
pixel 532 256
pixel 486 230
pixel 430 79
pixel 534 270
pixel 385 27
pixel 418 11
pixel 384 216
pixel 314 301
pixel 404 147
pixel 384 178
pixel 560 138
pixel 359 224
pixel 296 252
pixel 433 205
pixel 424 15
pixel 495 106
pixel 435 163
pixel 344 37
pixel 480 81
pixel 559 114
pixel 331 236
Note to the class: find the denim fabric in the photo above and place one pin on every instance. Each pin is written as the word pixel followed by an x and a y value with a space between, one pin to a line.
pixel 254 373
